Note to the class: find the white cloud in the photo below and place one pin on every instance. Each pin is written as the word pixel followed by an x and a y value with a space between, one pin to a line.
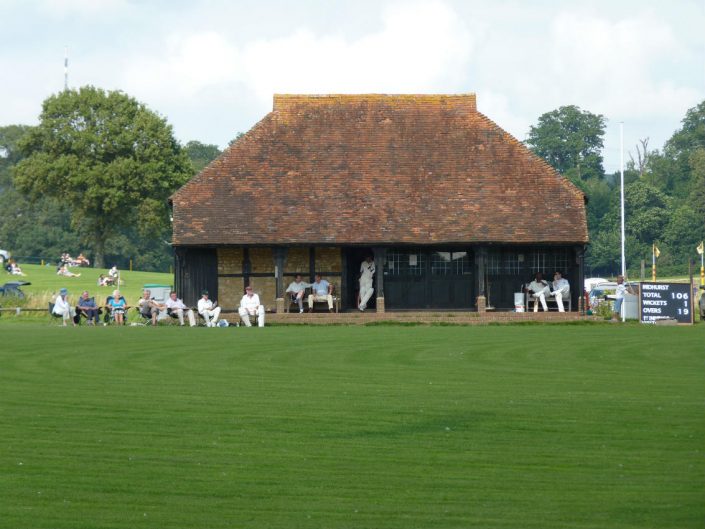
pixel 421 47
pixel 611 64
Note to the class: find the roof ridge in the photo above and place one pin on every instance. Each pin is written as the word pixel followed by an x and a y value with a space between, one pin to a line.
pixel 283 102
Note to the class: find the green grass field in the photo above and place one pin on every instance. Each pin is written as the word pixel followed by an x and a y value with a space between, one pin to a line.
pixel 543 426
pixel 45 283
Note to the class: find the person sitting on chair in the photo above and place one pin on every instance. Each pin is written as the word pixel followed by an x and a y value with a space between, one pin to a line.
pixel 560 288
pixel 297 288
pixel 250 306
pixel 149 308
pixel 322 291
pixel 208 310
pixel 63 308
pixel 88 309
pixel 367 272
pixel 539 289
pixel 175 308
pixel 117 306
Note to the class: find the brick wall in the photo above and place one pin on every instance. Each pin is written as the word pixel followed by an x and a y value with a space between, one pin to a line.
pixel 262 260
pixel 230 292
pixel 297 261
pixel 328 260
pixel 230 260
pixel 265 288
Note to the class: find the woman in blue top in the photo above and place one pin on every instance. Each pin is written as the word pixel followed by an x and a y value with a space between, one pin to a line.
pixel 118 306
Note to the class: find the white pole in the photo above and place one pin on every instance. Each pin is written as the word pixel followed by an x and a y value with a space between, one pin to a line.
pixel 621 202
pixel 66 68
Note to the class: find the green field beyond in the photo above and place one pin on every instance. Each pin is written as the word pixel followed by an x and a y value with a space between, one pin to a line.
pixel 555 426
pixel 45 282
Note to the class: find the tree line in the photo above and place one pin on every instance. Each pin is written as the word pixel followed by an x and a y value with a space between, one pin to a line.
pixel 664 189
pixel 95 175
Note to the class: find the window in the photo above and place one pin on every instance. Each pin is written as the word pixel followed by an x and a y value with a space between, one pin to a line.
pixel 447 263
pixel 405 263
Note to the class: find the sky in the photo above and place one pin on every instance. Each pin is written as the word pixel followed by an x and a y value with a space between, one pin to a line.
pixel 211 67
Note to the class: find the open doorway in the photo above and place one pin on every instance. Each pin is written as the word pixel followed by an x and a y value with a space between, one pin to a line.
pixel 353 259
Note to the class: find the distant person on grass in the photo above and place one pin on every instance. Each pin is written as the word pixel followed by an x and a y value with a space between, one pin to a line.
pixel 104 281
pixel 63 308
pixel 15 269
pixel 65 272
pixel 208 310
pixel 87 308
pixel 251 306
pixel 117 306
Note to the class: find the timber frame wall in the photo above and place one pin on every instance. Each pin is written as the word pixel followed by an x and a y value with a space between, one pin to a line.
pixel 496 270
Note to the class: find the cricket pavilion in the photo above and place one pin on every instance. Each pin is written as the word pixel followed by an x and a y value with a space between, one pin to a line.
pixel 456 212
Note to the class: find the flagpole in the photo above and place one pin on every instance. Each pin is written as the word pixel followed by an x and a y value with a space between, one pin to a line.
pixel 653 262
pixel 621 203
pixel 621 192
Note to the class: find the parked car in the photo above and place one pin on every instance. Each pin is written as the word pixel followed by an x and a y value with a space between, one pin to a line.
pixel 605 292
pixel 592 282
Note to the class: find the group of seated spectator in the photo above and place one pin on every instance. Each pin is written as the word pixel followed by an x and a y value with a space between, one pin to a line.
pixel 13 268
pixel 110 279
pixel 150 309
pixel 321 290
pixel 67 260
pixel 539 289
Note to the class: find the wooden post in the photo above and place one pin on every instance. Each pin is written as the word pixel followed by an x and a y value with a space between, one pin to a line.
pixel 380 259
pixel 279 263
pixel 480 262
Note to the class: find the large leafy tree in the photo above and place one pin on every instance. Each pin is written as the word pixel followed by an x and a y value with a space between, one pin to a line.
pixel 109 159
pixel 39 228
pixel 571 140
pixel 201 154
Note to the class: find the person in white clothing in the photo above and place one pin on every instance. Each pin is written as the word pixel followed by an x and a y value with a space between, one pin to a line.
pixel 208 309
pixel 296 289
pixel 619 297
pixel 322 291
pixel 250 306
pixel 63 308
pixel 538 290
pixel 176 308
pixel 367 272
pixel 560 288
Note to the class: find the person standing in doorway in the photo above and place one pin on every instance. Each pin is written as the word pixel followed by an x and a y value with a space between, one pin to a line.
pixel 367 272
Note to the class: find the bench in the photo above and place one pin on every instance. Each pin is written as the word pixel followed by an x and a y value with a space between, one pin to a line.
pixel 289 304
pixel 550 300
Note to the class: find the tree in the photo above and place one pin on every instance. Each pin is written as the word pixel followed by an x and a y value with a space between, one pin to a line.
pixel 201 154
pixel 40 228
pixel 571 140
pixel 108 158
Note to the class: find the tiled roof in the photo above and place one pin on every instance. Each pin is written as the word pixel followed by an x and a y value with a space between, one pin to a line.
pixel 375 169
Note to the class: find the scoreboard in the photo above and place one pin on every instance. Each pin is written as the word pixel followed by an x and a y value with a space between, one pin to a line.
pixel 665 301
